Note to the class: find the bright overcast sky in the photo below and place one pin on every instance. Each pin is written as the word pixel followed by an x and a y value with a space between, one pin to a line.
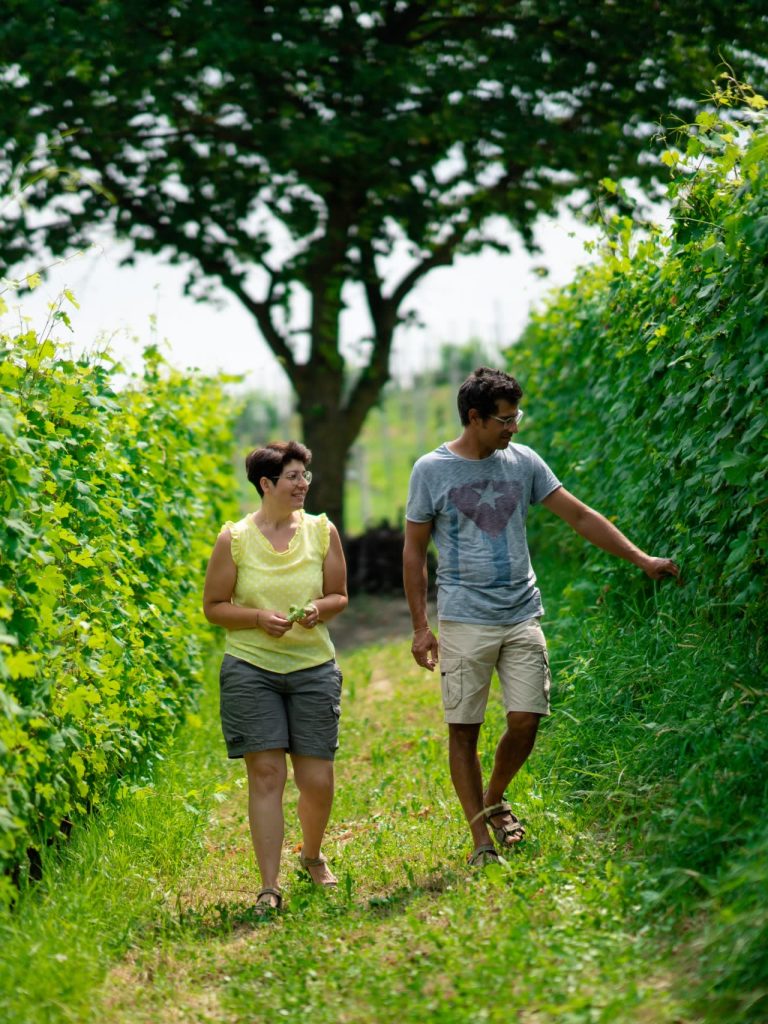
pixel 487 296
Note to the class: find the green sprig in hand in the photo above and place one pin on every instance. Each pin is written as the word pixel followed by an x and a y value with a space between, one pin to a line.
pixel 297 612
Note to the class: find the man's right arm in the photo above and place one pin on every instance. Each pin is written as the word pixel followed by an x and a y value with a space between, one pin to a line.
pixel 424 645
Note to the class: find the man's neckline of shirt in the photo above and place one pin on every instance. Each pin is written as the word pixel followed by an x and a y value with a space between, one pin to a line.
pixel 468 458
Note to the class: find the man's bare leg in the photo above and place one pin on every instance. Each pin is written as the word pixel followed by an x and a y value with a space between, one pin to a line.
pixel 512 752
pixel 467 777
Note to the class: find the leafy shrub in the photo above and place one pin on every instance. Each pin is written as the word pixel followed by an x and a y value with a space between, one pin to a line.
pixel 647 380
pixel 111 497
pixel 647 375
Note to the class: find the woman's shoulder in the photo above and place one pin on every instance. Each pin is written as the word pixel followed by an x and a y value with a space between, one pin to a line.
pixel 319 528
pixel 236 528
pixel 237 531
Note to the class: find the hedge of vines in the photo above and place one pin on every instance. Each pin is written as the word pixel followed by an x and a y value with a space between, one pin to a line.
pixel 647 376
pixel 111 495
pixel 646 385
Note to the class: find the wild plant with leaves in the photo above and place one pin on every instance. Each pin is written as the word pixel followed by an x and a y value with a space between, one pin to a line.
pixel 650 368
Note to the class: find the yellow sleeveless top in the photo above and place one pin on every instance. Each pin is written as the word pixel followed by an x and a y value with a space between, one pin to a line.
pixel 275 580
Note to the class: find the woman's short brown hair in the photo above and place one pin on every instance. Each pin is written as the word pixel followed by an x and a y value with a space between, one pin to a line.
pixel 270 460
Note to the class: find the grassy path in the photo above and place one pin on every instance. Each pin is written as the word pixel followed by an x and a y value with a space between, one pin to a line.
pixel 147 917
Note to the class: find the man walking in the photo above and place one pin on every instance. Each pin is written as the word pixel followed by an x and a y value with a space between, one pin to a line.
pixel 472 496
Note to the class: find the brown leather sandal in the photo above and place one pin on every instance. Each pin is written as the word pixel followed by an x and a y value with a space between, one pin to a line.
pixel 264 907
pixel 315 862
pixel 509 833
pixel 485 854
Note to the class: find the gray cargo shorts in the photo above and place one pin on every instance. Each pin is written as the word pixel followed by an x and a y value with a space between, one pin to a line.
pixel 294 711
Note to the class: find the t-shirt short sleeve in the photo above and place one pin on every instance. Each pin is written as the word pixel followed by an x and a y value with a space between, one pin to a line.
pixel 420 506
pixel 544 480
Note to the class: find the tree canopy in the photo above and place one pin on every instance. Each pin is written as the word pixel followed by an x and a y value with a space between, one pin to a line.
pixel 285 151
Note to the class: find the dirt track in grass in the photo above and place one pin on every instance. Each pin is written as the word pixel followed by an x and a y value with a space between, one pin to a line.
pixel 373 619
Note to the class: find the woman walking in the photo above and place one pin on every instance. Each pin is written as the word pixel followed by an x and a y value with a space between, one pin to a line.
pixel 274 580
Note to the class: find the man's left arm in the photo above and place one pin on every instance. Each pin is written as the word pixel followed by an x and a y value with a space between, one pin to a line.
pixel 603 534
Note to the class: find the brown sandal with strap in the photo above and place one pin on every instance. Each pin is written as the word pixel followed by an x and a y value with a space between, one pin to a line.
pixel 316 862
pixel 510 833
pixel 483 855
pixel 264 908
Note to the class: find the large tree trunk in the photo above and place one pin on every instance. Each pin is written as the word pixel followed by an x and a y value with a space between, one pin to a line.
pixel 326 433
pixel 332 421
pixel 330 449
pixel 332 415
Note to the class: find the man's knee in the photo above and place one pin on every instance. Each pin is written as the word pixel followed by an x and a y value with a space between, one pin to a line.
pixel 463 735
pixel 523 723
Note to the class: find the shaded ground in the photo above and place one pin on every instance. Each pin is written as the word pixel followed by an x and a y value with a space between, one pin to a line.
pixel 373 619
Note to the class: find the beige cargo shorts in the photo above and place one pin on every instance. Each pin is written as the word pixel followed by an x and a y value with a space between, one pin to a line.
pixel 468 655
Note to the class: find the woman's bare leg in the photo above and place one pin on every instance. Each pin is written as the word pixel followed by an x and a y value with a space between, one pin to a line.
pixel 314 780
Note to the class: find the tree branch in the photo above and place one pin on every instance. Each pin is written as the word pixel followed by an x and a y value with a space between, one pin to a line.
pixel 211 266
pixel 262 311
pixel 442 256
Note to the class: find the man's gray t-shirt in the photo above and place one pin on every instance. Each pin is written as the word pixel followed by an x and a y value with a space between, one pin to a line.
pixel 478 508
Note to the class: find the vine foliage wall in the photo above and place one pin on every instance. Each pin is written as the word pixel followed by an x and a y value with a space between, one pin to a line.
pixel 647 375
pixel 645 390
pixel 112 492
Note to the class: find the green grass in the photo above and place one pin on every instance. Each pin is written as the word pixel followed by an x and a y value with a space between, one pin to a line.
pixel 638 896
pixel 160 889
pixel 115 885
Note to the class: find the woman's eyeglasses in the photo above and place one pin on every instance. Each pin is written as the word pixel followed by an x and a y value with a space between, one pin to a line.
pixel 294 476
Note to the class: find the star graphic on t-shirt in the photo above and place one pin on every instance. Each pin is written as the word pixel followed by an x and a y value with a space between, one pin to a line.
pixel 488 503
pixel 488 494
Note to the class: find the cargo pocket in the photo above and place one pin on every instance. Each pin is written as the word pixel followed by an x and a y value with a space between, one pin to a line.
pixel 334 737
pixel 547 673
pixel 450 682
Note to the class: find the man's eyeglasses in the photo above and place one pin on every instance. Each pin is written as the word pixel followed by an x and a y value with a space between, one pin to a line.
pixel 294 476
pixel 507 421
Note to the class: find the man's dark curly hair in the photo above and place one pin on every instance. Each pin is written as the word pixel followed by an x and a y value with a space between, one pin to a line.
pixel 483 388
pixel 270 460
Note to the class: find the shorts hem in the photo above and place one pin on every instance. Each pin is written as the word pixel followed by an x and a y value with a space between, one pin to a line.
pixel 450 718
pixel 320 755
pixel 529 711
pixel 238 750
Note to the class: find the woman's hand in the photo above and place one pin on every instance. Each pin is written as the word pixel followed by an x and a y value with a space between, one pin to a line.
pixel 274 623
pixel 312 617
